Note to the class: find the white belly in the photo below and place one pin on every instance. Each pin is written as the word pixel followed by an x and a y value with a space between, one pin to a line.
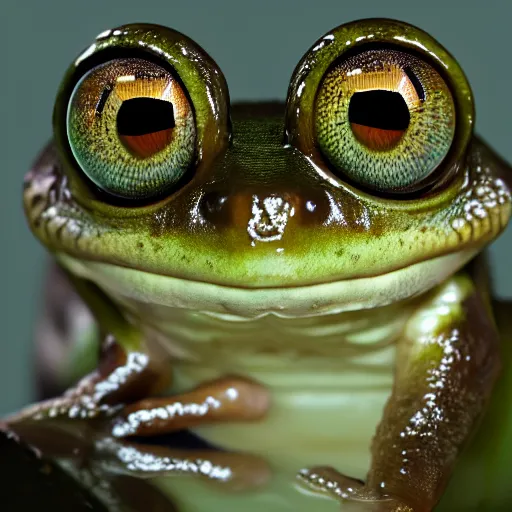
pixel 329 378
pixel 330 425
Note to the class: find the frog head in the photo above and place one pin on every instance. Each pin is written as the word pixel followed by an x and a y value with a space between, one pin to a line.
pixel 365 188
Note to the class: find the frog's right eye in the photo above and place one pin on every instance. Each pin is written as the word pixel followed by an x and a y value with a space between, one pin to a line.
pixel 131 128
pixel 383 109
pixel 385 118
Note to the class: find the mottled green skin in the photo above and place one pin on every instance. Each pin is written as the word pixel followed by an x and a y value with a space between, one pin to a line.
pixel 215 228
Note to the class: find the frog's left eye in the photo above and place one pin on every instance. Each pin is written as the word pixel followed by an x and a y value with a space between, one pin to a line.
pixel 131 128
pixel 385 118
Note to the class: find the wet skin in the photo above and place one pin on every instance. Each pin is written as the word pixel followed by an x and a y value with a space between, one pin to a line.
pixel 235 257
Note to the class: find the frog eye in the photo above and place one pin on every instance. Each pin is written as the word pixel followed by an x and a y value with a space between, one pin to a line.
pixel 131 128
pixel 385 118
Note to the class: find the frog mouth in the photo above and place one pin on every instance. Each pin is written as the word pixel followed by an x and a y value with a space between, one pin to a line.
pixel 130 285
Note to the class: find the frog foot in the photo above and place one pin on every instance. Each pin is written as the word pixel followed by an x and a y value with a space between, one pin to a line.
pixel 355 495
pixel 232 471
pixel 83 401
pixel 226 399
pixel 118 389
pixel 120 378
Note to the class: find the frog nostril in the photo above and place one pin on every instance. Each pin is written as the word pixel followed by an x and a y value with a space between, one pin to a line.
pixel 212 203
pixel 214 208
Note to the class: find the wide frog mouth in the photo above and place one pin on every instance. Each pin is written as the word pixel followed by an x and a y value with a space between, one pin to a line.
pixel 129 284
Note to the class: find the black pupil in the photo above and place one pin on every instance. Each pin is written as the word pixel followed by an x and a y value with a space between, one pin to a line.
pixel 385 110
pixel 140 116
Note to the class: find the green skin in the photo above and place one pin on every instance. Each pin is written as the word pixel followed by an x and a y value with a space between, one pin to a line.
pixel 214 248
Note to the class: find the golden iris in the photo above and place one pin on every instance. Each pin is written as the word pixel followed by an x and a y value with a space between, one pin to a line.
pixel 131 128
pixel 385 118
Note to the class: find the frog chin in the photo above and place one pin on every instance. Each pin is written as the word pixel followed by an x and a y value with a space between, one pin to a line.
pixel 130 285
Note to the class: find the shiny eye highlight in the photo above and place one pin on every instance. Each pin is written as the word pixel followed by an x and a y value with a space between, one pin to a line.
pixel 131 128
pixel 384 118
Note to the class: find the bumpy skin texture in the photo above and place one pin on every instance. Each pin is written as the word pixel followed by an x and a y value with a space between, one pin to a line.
pixel 263 225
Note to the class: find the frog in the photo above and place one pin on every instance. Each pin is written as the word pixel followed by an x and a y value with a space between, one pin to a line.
pixel 305 280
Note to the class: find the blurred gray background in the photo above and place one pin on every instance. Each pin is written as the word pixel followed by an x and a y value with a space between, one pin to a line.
pixel 257 45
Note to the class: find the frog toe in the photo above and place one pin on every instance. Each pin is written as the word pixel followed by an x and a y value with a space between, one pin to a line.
pixel 352 492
